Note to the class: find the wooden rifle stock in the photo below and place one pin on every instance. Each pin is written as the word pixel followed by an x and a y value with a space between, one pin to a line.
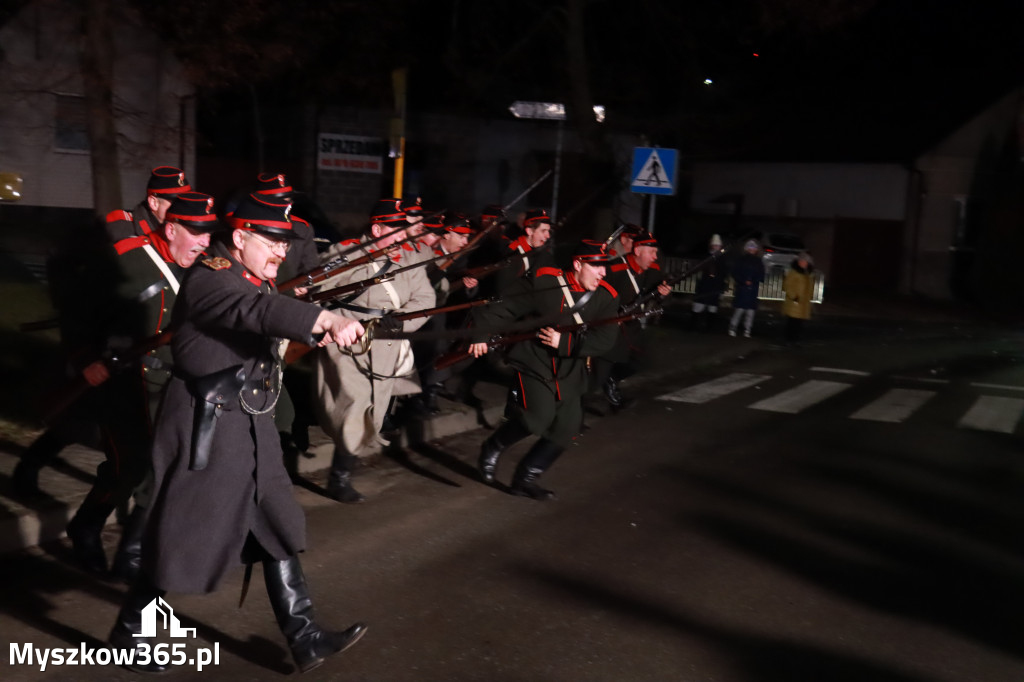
pixel 63 398
pixel 333 268
pixel 500 341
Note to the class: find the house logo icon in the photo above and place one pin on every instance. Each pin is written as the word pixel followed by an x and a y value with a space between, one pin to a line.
pixel 159 609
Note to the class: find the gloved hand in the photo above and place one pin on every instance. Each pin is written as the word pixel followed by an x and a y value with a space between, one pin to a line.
pixel 390 324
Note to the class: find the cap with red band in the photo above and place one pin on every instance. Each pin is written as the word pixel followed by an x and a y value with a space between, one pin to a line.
pixel 273 185
pixel 459 224
pixel 166 182
pixel 194 210
pixel 263 214
pixel 643 238
pixel 536 215
pixel 592 252
pixel 388 212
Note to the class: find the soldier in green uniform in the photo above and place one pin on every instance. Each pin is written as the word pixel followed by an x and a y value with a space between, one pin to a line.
pixel 550 374
pixel 149 269
pixel 631 274
pixel 165 183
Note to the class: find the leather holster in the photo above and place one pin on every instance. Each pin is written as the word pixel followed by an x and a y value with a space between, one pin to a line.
pixel 211 392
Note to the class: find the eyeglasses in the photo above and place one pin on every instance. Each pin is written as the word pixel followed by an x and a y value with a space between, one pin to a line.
pixel 273 244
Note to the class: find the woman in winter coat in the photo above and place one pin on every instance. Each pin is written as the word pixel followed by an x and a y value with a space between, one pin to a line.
pixel 747 273
pixel 798 288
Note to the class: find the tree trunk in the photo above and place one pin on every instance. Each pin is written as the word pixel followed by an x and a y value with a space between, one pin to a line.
pixel 98 81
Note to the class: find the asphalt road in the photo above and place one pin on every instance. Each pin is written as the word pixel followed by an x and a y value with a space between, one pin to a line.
pixel 726 540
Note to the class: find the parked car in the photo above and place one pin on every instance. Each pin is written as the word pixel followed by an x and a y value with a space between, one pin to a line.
pixel 780 249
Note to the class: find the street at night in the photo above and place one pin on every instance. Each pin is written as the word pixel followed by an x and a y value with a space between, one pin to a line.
pixel 722 534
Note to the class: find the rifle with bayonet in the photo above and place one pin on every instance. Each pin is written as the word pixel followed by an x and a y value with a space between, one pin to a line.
pixel 341 262
pixel 337 292
pixel 502 340
pixel 296 349
pixel 652 294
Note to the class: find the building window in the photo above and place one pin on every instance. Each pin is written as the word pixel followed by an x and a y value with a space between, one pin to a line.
pixel 70 131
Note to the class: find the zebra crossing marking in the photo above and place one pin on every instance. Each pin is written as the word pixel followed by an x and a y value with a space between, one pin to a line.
pixel 801 397
pixel 716 388
pixel 837 370
pixel 1002 387
pixel 988 413
pixel 895 406
pixel 993 413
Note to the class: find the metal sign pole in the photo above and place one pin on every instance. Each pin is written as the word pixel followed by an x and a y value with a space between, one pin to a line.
pixel 650 215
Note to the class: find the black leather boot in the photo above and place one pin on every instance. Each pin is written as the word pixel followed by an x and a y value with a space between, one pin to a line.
pixel 339 480
pixel 84 531
pixel 541 456
pixel 289 597
pixel 525 484
pixel 25 479
pixel 612 393
pixel 128 558
pixel 507 434
pixel 129 624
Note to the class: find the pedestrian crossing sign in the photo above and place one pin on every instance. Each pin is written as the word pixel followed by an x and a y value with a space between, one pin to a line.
pixel 654 170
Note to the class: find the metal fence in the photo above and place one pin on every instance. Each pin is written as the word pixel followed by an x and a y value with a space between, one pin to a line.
pixel 771 287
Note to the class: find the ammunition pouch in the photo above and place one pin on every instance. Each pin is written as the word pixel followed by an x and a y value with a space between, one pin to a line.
pixel 212 393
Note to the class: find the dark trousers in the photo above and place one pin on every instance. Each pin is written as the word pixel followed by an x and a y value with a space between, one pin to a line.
pixel 794 326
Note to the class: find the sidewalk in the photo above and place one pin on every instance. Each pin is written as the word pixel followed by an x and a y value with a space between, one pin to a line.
pixel 25 523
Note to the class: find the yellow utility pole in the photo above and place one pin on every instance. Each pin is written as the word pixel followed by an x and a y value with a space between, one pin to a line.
pixel 398 81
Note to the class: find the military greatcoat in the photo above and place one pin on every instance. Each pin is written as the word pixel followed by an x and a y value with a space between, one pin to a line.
pixel 354 387
pixel 549 384
pixel 200 519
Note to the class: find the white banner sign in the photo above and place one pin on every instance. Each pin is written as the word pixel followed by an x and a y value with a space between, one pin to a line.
pixel 350 153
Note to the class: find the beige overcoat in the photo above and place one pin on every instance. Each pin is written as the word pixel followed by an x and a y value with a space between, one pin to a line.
pixel 354 388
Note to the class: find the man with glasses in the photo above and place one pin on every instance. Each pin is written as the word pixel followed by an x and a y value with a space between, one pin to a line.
pixel 355 384
pixel 222 496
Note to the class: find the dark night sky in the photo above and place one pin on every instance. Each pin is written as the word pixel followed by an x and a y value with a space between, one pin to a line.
pixel 878 86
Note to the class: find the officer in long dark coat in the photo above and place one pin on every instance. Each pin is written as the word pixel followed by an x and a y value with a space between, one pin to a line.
pixel 550 371
pixel 222 495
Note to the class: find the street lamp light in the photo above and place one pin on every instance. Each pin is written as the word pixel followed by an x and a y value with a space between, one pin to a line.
pixel 551 111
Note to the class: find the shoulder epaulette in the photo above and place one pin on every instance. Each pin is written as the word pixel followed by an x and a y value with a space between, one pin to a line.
pixel 618 267
pixel 116 216
pixel 610 288
pixel 217 263
pixel 554 272
pixel 125 245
